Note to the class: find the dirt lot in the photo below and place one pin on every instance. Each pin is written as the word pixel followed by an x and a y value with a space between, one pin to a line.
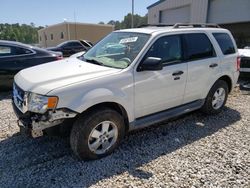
pixel 195 150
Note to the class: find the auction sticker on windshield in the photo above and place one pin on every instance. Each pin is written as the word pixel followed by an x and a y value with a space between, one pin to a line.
pixel 128 40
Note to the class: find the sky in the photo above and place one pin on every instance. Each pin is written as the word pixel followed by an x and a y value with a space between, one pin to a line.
pixel 48 12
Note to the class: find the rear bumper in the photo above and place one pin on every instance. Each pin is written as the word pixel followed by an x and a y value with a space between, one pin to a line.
pixel 245 74
pixel 245 88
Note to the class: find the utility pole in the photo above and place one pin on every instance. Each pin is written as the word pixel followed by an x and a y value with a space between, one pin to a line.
pixel 75 25
pixel 132 20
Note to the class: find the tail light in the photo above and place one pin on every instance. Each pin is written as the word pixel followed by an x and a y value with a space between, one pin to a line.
pixel 59 57
pixel 238 63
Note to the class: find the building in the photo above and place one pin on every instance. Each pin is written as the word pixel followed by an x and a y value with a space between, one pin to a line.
pixel 56 34
pixel 231 14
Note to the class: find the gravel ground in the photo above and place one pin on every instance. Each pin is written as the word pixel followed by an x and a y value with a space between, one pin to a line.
pixel 192 151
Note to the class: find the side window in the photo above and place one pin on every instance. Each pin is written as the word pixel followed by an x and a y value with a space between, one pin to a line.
pixel 168 48
pixel 198 46
pixel 225 43
pixel 20 51
pixel 5 51
pixel 77 44
pixel 12 51
pixel 72 44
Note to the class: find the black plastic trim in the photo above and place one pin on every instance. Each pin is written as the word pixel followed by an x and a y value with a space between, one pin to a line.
pixel 146 121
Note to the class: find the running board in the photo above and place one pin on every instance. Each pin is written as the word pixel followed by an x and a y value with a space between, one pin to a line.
pixel 165 115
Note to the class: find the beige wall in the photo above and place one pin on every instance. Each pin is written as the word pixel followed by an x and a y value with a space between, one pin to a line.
pixel 71 31
pixel 198 10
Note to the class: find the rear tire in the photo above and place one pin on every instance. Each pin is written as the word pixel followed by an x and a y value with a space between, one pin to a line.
pixel 216 98
pixel 97 134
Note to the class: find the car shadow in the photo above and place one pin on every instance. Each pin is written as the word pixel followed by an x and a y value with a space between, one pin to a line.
pixel 48 162
pixel 5 95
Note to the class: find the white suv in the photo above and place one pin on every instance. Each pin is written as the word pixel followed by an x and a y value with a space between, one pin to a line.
pixel 129 80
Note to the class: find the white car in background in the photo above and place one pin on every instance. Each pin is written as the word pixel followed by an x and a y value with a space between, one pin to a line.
pixel 245 62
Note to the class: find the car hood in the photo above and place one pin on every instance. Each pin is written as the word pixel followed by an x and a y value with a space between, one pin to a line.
pixel 44 78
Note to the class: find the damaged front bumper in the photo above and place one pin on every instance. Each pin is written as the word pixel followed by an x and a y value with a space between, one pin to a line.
pixel 34 124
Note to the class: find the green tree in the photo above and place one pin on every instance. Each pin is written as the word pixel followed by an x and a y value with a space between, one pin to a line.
pixel 127 21
pixel 22 33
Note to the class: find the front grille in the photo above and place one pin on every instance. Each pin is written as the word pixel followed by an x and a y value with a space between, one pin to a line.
pixel 18 91
pixel 245 62
pixel 19 98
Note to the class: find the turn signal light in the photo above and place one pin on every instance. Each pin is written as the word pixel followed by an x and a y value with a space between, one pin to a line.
pixel 52 102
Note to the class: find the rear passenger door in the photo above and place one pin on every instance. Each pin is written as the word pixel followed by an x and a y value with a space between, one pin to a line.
pixel 203 65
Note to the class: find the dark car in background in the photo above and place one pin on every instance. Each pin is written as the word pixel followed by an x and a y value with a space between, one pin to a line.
pixel 15 56
pixel 71 47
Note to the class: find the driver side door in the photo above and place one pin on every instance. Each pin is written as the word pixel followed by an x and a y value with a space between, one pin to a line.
pixel 156 91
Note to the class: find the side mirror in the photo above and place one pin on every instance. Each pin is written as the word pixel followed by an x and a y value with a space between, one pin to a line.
pixel 151 64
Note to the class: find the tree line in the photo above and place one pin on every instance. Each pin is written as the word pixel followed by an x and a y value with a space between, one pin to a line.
pixel 28 33
pixel 126 22
pixel 21 33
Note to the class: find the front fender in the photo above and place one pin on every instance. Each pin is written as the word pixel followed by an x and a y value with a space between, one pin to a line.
pixel 101 95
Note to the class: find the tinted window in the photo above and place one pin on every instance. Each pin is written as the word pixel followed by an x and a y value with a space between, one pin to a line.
pixel 11 51
pixel 73 44
pixel 20 51
pixel 167 48
pixel 198 46
pixel 5 51
pixel 225 43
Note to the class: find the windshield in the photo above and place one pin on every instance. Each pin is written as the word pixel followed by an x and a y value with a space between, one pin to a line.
pixel 117 50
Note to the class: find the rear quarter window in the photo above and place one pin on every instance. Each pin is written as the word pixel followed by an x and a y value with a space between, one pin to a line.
pixel 225 42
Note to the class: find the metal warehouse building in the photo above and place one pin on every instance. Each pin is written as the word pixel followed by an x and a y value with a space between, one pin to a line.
pixel 231 14
pixel 56 34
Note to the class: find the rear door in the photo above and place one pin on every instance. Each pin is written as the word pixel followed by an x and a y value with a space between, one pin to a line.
pixel 203 65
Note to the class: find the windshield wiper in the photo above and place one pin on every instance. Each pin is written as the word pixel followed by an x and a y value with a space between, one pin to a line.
pixel 93 61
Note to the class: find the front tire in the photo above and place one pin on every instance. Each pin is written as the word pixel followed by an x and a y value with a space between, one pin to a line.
pixel 216 98
pixel 97 134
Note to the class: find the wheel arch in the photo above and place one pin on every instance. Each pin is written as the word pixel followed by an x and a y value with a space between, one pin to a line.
pixel 228 80
pixel 112 105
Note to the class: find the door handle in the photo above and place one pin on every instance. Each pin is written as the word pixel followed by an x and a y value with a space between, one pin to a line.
pixel 213 65
pixel 177 73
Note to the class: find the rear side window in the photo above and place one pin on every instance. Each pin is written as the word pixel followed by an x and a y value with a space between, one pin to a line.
pixel 12 51
pixel 20 51
pixel 74 44
pixel 198 46
pixel 5 51
pixel 225 42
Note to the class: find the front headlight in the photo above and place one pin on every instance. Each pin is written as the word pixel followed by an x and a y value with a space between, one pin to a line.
pixel 40 104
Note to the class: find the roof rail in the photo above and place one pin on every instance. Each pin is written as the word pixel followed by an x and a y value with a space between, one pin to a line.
pixel 202 25
pixel 155 25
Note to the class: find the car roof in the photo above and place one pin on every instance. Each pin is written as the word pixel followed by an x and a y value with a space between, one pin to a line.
pixel 6 42
pixel 164 29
